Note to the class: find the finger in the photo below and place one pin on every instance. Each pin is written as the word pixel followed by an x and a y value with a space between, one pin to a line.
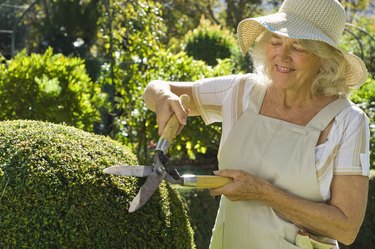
pixel 179 110
pixel 182 126
pixel 164 113
pixel 215 192
pixel 232 173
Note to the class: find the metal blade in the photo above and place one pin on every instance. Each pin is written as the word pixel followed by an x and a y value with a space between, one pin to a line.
pixel 146 191
pixel 127 170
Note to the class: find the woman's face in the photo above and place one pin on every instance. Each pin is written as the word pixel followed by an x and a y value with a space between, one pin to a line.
pixel 289 65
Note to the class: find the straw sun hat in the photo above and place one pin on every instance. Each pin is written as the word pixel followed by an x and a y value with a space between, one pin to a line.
pixel 321 20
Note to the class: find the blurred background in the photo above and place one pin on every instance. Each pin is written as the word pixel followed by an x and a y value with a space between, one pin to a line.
pixel 85 63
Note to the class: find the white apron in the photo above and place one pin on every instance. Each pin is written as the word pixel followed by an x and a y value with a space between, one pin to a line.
pixel 275 150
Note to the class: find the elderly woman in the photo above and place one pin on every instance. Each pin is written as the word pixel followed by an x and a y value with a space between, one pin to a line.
pixel 296 148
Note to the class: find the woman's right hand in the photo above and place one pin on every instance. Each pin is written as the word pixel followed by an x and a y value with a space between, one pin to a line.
pixel 167 104
pixel 160 97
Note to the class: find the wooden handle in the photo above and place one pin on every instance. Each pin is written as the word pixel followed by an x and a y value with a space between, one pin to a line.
pixel 172 126
pixel 202 181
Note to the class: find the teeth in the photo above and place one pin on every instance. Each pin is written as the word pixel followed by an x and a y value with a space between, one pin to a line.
pixel 284 69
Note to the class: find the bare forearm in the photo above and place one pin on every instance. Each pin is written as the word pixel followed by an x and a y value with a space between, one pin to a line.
pixel 339 219
pixel 322 218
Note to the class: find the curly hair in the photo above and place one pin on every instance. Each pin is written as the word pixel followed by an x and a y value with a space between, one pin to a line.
pixel 329 81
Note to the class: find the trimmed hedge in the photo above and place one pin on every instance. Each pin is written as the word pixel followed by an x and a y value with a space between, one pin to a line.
pixel 209 43
pixel 53 193
pixel 202 209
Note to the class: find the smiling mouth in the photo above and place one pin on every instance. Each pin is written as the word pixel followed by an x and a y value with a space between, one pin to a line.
pixel 284 69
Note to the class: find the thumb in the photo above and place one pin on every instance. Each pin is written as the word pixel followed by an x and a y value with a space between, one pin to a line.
pixel 226 172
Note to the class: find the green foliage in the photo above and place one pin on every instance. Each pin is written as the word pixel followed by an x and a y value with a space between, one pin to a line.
pixel 359 39
pixel 170 67
pixel 177 68
pixel 181 16
pixel 139 57
pixel 355 4
pixel 129 36
pixel 53 193
pixel 48 87
pixel 202 209
pixel 8 18
pixel 68 26
pixel 209 42
pixel 236 11
pixel 365 98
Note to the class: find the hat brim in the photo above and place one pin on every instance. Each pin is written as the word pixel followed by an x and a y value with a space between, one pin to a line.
pixel 280 23
pixel 356 72
pixel 292 26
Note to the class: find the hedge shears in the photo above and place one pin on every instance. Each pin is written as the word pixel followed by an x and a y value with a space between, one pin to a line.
pixel 157 173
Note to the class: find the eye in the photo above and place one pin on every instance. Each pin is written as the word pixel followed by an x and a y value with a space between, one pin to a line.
pixel 298 49
pixel 275 42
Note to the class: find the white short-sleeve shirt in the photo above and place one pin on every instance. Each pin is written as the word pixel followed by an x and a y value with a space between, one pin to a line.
pixel 346 151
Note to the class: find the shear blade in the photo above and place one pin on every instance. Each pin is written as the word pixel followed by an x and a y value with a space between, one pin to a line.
pixel 146 191
pixel 127 170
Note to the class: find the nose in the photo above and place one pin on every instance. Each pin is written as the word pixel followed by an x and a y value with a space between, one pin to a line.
pixel 285 52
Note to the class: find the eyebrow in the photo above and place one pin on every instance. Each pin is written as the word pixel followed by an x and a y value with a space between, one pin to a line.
pixel 276 36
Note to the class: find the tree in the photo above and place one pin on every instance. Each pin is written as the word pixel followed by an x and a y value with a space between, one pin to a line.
pixel 180 16
pixel 237 10
pixel 69 26
pixel 359 39
pixel 11 13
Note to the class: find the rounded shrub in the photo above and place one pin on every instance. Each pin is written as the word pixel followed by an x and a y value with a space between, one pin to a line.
pixel 209 42
pixel 202 209
pixel 53 193
pixel 212 43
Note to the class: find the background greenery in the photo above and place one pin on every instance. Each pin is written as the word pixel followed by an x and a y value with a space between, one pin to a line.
pixel 85 63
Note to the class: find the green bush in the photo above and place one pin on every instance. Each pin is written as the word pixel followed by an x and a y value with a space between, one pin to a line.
pixel 365 99
pixel 202 209
pixel 137 126
pixel 136 57
pixel 209 42
pixel 48 87
pixel 53 193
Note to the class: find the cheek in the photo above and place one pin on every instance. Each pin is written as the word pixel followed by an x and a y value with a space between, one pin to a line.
pixel 311 64
pixel 270 54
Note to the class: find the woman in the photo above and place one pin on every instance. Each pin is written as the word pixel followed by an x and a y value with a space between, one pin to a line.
pixel 296 147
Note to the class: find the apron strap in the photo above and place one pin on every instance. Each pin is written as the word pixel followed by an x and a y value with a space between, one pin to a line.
pixel 239 83
pixel 256 97
pixel 329 112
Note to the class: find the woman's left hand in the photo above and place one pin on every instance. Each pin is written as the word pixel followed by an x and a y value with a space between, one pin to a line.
pixel 244 186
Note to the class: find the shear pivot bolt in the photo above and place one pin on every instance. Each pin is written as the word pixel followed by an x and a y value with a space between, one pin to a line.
pixel 160 170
